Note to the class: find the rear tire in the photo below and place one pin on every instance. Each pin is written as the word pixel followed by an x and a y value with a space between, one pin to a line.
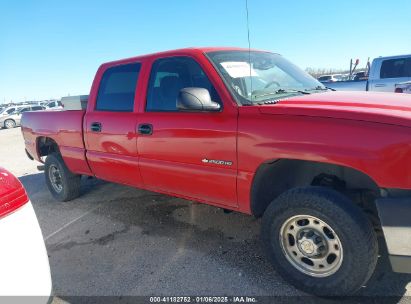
pixel 63 184
pixel 319 241
pixel 9 124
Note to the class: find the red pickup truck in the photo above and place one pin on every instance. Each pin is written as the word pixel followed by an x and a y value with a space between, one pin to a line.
pixel 246 130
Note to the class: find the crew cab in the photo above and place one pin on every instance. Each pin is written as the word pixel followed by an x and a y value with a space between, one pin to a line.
pixel 246 130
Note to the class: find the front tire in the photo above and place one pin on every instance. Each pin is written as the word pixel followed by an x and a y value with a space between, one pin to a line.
pixel 62 184
pixel 319 241
pixel 9 124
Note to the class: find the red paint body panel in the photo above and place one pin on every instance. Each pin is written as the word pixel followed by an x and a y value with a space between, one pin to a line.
pixel 364 106
pixel 369 132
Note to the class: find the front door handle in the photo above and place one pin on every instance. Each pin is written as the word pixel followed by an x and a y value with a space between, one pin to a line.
pixel 145 129
pixel 380 85
pixel 95 127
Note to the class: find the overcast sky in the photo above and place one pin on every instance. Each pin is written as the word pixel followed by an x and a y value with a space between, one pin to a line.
pixel 50 48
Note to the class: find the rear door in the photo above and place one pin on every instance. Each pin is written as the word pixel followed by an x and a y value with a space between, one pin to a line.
pixel 390 73
pixel 190 154
pixel 110 125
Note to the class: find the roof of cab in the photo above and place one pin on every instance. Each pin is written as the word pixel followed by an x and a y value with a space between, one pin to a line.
pixel 192 50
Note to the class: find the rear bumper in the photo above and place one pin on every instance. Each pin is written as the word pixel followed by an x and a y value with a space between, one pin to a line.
pixel 395 217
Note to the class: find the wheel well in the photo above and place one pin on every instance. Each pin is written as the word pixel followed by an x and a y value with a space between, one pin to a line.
pixel 4 123
pixel 276 177
pixel 46 146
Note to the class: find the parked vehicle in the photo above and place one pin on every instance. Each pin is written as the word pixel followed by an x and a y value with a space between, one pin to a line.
pixel 54 105
pixel 9 110
pixel 13 120
pixel 25 267
pixel 330 78
pixel 403 87
pixel 195 123
pixel 360 76
pixel 384 74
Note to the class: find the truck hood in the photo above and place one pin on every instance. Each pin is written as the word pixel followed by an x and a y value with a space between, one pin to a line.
pixel 389 108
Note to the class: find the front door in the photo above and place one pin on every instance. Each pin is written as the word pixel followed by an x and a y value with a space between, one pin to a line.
pixel 190 154
pixel 110 128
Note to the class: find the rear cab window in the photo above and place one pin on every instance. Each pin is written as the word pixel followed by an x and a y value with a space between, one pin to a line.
pixel 117 88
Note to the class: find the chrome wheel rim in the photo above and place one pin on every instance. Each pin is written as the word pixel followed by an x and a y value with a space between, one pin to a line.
pixel 55 178
pixel 311 245
pixel 9 124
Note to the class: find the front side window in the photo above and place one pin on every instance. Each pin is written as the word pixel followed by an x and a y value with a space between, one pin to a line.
pixel 169 76
pixel 396 68
pixel 11 110
pixel 117 88
pixel 259 76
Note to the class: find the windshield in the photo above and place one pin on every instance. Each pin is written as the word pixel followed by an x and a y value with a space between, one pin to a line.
pixel 269 75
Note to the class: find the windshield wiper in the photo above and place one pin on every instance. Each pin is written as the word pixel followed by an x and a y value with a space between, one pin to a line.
pixel 282 91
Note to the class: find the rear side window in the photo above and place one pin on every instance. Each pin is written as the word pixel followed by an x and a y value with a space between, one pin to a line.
pixel 37 108
pixel 117 88
pixel 395 68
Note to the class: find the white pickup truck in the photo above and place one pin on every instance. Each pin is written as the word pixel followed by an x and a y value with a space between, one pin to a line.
pixel 384 75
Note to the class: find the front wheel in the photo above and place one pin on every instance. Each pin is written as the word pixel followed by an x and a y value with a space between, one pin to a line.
pixel 63 184
pixel 319 241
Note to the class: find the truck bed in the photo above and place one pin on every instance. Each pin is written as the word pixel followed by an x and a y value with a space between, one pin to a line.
pixel 63 127
pixel 350 85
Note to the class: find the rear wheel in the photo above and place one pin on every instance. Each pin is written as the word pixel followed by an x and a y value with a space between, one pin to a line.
pixel 319 241
pixel 63 184
pixel 9 124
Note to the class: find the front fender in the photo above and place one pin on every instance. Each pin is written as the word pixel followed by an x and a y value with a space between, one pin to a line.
pixel 380 151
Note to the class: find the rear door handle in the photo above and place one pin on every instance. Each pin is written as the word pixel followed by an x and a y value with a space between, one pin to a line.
pixel 95 127
pixel 145 129
pixel 380 85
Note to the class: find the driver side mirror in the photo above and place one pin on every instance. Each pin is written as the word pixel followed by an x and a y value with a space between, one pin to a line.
pixel 196 99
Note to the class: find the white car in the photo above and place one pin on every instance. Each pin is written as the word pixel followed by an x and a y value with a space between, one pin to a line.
pixel 13 120
pixel 403 87
pixel 330 78
pixel 54 105
pixel 9 110
pixel 25 269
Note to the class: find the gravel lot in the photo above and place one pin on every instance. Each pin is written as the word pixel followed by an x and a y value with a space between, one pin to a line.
pixel 116 240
